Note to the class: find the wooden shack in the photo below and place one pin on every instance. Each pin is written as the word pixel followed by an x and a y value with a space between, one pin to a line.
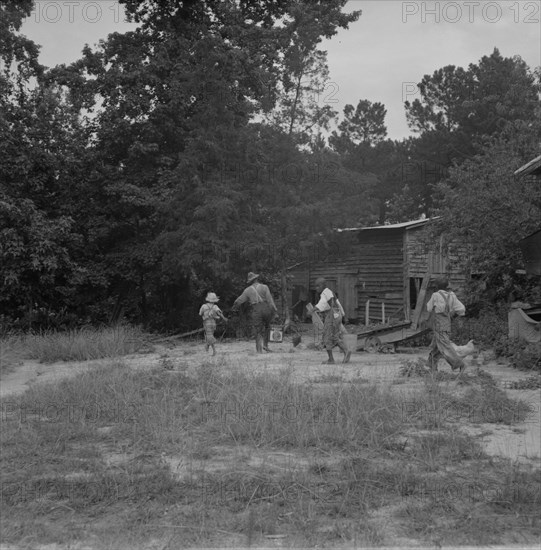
pixel 531 245
pixel 378 272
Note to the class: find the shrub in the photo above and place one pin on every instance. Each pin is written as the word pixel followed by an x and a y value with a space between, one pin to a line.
pixel 522 355
pixel 507 347
pixel 527 357
pixel 414 367
pixel 488 328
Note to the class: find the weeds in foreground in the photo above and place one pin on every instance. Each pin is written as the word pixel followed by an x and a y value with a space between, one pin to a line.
pixel 257 458
pixel 529 383
pixel 472 398
pixel 414 367
pixel 77 345
pixel 489 404
pixel 528 358
pixel 11 352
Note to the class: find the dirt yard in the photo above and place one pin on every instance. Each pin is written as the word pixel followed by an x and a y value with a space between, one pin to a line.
pixel 521 442
pixel 383 523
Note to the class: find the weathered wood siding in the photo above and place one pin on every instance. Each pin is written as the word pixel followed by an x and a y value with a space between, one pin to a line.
pixel 369 267
pixel 381 273
pixel 298 290
pixel 531 251
pixel 384 265
pixel 423 255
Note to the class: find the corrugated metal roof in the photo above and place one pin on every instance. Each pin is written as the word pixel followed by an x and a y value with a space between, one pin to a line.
pixel 532 168
pixel 402 225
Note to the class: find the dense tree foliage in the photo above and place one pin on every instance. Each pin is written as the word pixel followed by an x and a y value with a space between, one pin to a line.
pixel 173 158
pixel 169 186
pixel 41 143
pixel 486 208
pixel 457 114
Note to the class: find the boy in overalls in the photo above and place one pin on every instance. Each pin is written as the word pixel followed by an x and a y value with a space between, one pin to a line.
pixel 210 312
pixel 443 306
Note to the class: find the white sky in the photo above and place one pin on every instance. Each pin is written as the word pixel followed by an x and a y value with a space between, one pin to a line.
pixel 380 58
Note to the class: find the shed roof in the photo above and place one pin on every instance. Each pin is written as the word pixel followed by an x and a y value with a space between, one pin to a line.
pixel 402 225
pixel 532 168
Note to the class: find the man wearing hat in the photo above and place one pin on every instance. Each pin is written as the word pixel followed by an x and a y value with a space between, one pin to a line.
pixel 210 312
pixel 443 306
pixel 263 309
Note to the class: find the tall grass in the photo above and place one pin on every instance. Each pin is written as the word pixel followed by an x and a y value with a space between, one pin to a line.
pixel 476 399
pixel 354 450
pixel 270 410
pixel 11 352
pixel 237 408
pixel 82 344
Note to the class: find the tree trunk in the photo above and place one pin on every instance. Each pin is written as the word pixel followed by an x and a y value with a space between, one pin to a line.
pixel 285 305
pixel 30 303
pixel 117 310
pixel 295 103
pixel 382 211
pixel 144 307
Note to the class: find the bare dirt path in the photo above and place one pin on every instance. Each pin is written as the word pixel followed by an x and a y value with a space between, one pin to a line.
pixel 520 442
pixel 307 363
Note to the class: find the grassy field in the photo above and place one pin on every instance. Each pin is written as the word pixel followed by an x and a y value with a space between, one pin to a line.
pixel 215 456
pixel 11 353
pixel 75 345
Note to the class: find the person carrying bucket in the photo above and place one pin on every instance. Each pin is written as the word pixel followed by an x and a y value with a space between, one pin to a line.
pixel 263 309
pixel 332 324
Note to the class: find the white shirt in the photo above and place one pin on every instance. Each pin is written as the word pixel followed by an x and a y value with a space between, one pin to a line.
pixel 323 304
pixel 438 300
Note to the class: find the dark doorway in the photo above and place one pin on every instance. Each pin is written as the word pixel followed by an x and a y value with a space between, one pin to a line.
pixel 415 288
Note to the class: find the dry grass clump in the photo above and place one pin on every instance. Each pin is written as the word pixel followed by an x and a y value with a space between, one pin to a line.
pixel 11 352
pixel 82 344
pixel 464 398
pixel 210 456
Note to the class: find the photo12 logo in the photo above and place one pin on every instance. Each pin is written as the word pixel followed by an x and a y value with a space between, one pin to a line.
pixel 270 173
pixel 68 413
pixel 471 12
pixel 75 12
pixel 274 411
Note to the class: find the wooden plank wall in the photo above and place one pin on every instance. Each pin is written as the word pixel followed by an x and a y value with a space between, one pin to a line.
pixel 423 254
pixel 531 251
pixel 373 264
pixel 376 265
pixel 297 277
pixel 381 273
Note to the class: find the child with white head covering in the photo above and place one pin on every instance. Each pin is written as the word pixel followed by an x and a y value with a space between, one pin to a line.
pixel 210 312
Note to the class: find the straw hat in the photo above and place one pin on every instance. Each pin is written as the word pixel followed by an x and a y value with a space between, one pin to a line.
pixel 211 297
pixel 251 277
